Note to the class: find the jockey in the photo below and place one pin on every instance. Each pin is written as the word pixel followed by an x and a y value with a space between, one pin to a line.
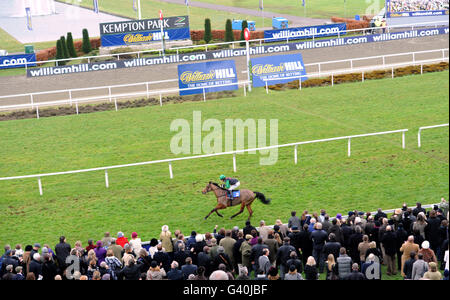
pixel 230 183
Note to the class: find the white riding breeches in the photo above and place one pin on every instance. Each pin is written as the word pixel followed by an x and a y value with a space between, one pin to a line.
pixel 234 186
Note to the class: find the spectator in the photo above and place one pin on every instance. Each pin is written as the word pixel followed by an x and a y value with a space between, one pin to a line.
pixel 90 245
pixel 36 265
pixel 200 274
pixel 293 220
pixel 355 274
pixel 296 239
pixel 420 267
pixel 380 215
pixel 106 240
pixel 129 272
pixel 401 236
pixel 121 239
pixel 179 240
pixel 162 258
pixel 191 240
pixel 444 206
pixel 371 269
pixel 175 273
pixel 257 251
pixel 336 230
pixel 420 224
pixel 127 255
pixel 222 267
pixel 282 228
pixel 407 248
pixel 8 275
pixel 408 267
pixel 7 260
pixel 136 243
pixel 432 273
pixel 19 273
pixel 116 249
pixel 91 269
pixel 294 260
pixel 354 240
pixel 222 258
pixel 188 268
pixel 273 274
pixel 273 246
pixel 246 251
pixel 432 231
pixel 243 274
pixel 319 237
pixel 326 225
pixel 263 230
pixel 306 244
pixel 332 269
pixel 62 250
pixel 31 276
pixel 344 264
pixel 156 272
pixel 228 245
pixel 418 210
pixel 389 241
pixel 264 261
pixel 153 247
pixel 114 264
pixel 446 273
pixel 234 233
pixel 427 253
pixel 293 274
pixel 49 268
pixel 166 240
pixel 213 250
pixel 248 228
pixel 100 252
pixel 363 247
pixel 260 275
pixel 218 275
pixel 204 260
pixel 144 260
pixel 311 269
pixel 374 250
pixel 104 269
pixel 181 255
pixel 283 256
pixel 219 235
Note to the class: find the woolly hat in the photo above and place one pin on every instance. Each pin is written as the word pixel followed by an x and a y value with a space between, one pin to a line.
pixel 426 244
pixel 120 234
pixel 339 216
pixel 134 235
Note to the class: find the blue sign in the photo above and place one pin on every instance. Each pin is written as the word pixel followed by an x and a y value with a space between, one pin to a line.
pixel 276 69
pixel 123 39
pixel 207 76
pixel 305 32
pixel 17 61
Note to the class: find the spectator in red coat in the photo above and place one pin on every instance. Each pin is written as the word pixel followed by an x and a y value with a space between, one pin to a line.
pixel 121 239
pixel 90 246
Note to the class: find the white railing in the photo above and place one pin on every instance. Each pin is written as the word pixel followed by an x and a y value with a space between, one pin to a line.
pixel 344 71
pixel 260 41
pixel 171 160
pixel 113 97
pixel 419 139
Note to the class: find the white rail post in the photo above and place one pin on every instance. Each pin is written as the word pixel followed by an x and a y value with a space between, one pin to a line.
pixel 403 140
pixel 148 95
pixel 362 76
pixel 204 95
pixel 70 97
pixel 37 111
pixel 40 186
pixel 109 89
pixel 418 138
pixel 234 162
pixel 351 64
pixel 332 79
pixel 349 147
pixel 245 90
pixel 106 179
pixel 421 69
pixel 32 102
pixel 319 69
pixel 384 61
pixel 392 72
pixel 76 107
pixel 414 57
pixel 267 88
pixel 170 170
pixel 160 99
pixel 115 103
pixel 296 154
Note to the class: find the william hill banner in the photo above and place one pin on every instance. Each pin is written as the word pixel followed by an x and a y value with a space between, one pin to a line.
pixel 275 69
pixel 208 76
pixel 144 31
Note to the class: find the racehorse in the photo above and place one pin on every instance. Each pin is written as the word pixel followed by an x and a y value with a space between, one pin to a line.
pixel 245 199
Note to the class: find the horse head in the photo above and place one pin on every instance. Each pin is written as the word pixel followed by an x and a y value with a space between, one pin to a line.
pixel 207 189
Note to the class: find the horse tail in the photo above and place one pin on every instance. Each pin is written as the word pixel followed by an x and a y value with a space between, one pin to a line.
pixel 261 197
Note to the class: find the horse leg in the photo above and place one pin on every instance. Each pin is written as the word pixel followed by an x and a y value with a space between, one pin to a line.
pixel 250 211
pixel 239 212
pixel 220 206
pixel 210 213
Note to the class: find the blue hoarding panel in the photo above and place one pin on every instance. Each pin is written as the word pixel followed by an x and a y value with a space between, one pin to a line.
pixel 275 69
pixel 17 61
pixel 205 76
pixel 305 32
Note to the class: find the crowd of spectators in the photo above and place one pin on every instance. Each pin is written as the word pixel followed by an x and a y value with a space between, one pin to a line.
pixel 411 241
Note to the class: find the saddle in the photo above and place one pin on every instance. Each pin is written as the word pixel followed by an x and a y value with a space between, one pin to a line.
pixel 233 195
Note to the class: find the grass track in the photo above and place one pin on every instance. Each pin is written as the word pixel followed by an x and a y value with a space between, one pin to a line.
pixel 142 199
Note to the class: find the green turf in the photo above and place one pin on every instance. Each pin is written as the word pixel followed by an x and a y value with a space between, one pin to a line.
pixel 378 174
pixel 150 9
pixel 322 9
